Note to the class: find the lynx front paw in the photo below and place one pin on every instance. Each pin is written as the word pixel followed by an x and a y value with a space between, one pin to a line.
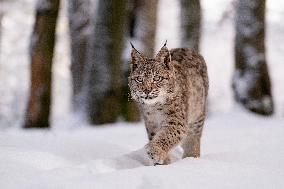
pixel 157 155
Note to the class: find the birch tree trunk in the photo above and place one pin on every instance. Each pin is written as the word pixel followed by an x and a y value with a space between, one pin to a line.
pixel 104 71
pixel 251 81
pixel 190 23
pixel 41 53
pixel 80 27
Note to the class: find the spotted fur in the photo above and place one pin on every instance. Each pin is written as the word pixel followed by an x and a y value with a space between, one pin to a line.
pixel 171 92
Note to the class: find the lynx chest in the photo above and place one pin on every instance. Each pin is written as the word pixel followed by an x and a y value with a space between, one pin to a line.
pixel 155 115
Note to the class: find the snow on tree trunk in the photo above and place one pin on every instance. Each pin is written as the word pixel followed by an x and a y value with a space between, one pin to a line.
pixel 251 81
pixel 80 30
pixel 104 69
pixel 190 23
pixel 41 53
pixel 145 16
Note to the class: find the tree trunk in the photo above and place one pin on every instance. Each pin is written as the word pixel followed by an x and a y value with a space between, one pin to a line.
pixel 41 52
pixel 104 72
pixel 251 81
pixel 144 24
pixel 190 23
pixel 80 26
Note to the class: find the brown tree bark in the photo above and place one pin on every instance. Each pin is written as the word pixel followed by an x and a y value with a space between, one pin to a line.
pixel 251 81
pixel 190 23
pixel 41 53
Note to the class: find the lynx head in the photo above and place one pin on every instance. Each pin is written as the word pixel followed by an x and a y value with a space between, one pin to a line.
pixel 151 80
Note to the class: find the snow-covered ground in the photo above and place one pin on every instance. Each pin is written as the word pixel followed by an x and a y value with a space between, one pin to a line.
pixel 239 149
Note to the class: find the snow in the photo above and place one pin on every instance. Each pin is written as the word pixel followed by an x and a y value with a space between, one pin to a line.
pixel 239 150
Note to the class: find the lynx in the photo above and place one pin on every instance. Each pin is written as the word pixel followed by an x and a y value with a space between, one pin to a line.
pixel 171 92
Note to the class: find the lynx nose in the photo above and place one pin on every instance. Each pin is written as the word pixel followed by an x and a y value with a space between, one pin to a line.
pixel 147 91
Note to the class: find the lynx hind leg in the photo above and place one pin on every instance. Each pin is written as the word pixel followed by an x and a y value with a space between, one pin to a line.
pixel 191 146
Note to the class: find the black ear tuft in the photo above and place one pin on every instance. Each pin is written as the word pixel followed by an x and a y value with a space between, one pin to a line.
pixel 136 58
pixel 165 44
pixel 164 56
pixel 132 45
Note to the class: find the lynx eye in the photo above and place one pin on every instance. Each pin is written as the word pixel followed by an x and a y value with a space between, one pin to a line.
pixel 139 79
pixel 158 78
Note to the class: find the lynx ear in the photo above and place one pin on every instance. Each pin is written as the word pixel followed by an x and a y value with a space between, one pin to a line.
pixel 164 56
pixel 136 58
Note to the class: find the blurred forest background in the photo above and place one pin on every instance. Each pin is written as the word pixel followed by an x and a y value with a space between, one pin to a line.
pixel 63 62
